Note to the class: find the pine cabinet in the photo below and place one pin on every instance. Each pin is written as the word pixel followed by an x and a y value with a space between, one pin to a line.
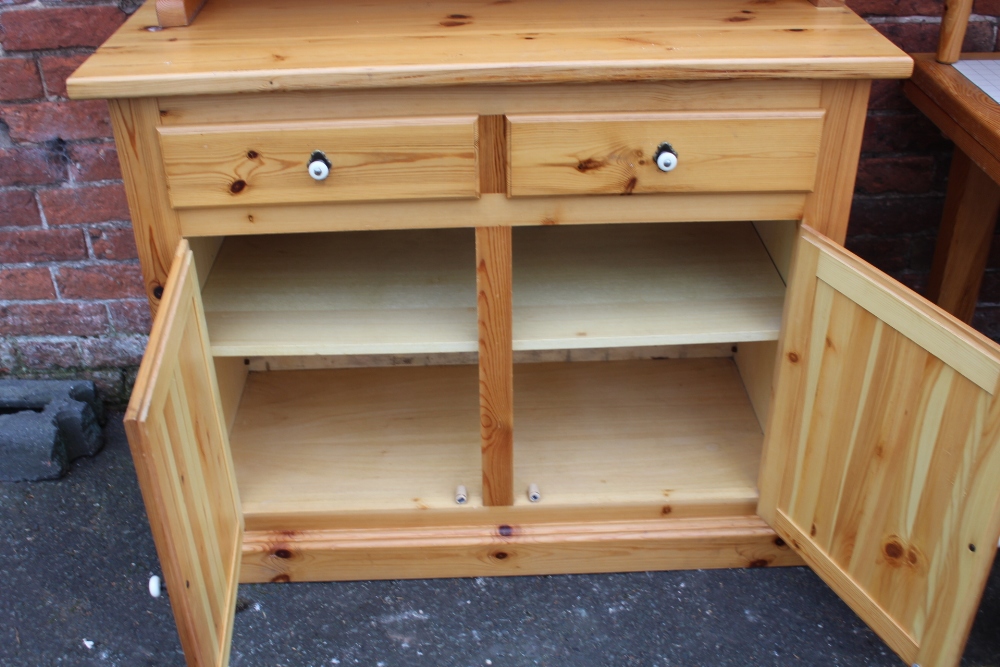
pixel 484 288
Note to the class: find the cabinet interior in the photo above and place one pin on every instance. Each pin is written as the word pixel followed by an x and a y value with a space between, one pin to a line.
pixel 347 369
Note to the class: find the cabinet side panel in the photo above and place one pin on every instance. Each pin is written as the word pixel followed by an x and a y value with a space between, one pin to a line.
pixel 232 375
pixel 829 205
pixel 156 227
pixel 755 361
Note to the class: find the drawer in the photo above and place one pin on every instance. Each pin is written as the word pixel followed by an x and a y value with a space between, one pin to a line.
pixel 727 151
pixel 267 163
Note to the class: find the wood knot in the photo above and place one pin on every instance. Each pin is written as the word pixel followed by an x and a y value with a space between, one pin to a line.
pixel 898 554
pixel 283 553
pixel 760 562
pixel 893 550
pixel 583 166
pixel 500 555
pixel 281 579
pixel 793 357
pixel 667 509
pixel 780 543
pixel 505 531
pixel 252 155
pixel 237 186
pixel 630 186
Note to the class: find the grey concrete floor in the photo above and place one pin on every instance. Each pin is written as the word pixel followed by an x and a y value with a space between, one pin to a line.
pixel 77 554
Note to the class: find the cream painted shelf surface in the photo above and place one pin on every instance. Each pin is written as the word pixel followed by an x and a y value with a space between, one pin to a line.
pixel 655 431
pixel 631 432
pixel 401 292
pixel 412 292
pixel 357 439
pixel 626 285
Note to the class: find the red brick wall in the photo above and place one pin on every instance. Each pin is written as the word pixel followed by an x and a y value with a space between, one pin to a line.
pixel 71 299
pixel 903 172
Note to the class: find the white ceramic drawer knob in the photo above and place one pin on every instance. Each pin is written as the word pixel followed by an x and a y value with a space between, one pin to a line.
pixel 666 158
pixel 319 166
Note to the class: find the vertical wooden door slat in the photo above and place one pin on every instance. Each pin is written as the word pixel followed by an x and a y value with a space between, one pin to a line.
pixel 882 451
pixel 845 338
pixel 195 497
pixel 198 580
pixel 496 363
pixel 180 445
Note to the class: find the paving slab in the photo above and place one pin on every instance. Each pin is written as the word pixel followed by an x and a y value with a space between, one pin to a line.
pixel 78 554
pixel 45 425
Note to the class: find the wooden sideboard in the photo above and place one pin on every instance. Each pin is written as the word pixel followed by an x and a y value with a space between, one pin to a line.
pixel 576 260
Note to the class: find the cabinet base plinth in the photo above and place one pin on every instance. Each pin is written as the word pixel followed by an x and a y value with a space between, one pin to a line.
pixel 492 550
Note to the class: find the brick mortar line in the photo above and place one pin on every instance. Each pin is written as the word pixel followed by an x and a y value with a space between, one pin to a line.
pixel 71 263
pixel 51 187
pixel 69 142
pixel 96 302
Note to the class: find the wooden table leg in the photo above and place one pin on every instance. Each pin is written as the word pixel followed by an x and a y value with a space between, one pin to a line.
pixel 963 245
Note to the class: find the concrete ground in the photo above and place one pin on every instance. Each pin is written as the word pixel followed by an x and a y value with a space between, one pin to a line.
pixel 77 554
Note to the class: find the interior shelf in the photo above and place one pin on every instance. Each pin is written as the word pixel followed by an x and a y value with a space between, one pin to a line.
pixel 357 439
pixel 412 292
pixel 649 284
pixel 599 433
pixel 589 434
pixel 400 292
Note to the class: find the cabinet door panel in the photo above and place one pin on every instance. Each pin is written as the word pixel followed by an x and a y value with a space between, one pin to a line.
pixel 882 450
pixel 181 451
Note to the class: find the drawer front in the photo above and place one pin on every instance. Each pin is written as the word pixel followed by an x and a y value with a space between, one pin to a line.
pixel 268 163
pixel 743 151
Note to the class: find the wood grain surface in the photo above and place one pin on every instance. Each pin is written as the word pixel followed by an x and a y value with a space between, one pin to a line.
pixel 177 431
pixel 954 23
pixel 882 451
pixel 828 206
pixel 175 13
pixel 491 210
pixel 412 158
pixel 378 441
pixel 963 102
pixel 493 100
pixel 319 44
pixel 504 550
pixel 496 364
pixel 154 223
pixel 616 153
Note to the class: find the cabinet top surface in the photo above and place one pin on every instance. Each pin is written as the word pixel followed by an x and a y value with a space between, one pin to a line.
pixel 237 46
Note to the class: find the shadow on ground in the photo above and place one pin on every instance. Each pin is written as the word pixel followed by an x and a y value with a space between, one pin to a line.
pixel 78 554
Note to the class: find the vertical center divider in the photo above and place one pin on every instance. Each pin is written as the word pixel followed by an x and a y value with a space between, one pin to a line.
pixel 496 363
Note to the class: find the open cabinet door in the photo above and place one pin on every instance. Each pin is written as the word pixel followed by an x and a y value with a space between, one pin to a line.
pixel 181 452
pixel 882 452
